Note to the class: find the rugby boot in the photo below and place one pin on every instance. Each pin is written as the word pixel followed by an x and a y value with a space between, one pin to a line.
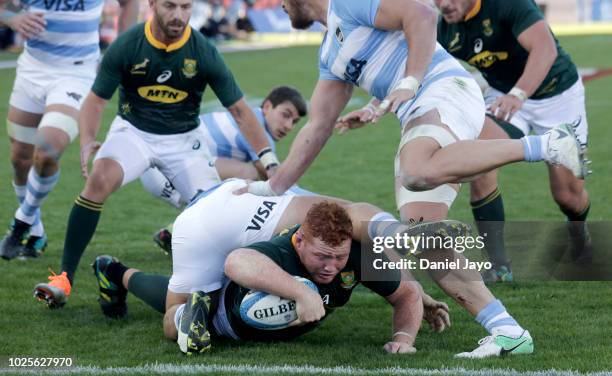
pixel 112 297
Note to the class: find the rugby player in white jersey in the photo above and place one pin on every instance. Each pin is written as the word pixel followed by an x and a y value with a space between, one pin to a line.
pixel 389 48
pixel 279 112
pixel 54 74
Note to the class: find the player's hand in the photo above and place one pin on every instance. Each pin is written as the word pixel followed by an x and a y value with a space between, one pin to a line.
pixel 436 314
pixel 354 119
pixel 28 24
pixel 399 348
pixel 505 107
pixel 309 307
pixel 392 102
pixel 87 151
pixel 258 188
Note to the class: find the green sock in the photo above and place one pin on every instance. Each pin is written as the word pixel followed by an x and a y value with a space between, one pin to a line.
pixel 82 224
pixel 577 221
pixel 489 215
pixel 150 288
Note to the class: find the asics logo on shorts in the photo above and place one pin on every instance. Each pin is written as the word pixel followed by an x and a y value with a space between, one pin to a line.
pixel 165 76
pixel 259 218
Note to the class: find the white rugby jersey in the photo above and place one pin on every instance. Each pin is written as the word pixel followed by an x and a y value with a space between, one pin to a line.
pixel 72 32
pixel 224 139
pixel 354 51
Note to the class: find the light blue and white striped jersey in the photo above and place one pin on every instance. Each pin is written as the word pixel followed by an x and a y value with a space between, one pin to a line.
pixel 354 51
pixel 224 138
pixel 71 35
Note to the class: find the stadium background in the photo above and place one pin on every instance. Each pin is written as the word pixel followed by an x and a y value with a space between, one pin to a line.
pixel 570 321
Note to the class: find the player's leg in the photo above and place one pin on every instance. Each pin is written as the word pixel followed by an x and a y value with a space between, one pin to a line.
pixel 154 182
pixel 573 200
pixel 488 210
pixel 464 285
pixel 232 168
pixel 121 159
pixel 57 128
pixel 21 127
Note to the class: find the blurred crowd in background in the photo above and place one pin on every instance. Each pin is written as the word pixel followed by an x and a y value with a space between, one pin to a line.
pixel 224 20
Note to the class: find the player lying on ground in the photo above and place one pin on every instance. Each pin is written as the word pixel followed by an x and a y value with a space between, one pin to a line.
pixel 161 68
pixel 202 240
pixel 280 110
pixel 533 86
pixel 320 250
pixel 54 73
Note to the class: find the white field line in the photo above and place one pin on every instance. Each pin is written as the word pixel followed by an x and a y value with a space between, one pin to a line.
pixel 291 370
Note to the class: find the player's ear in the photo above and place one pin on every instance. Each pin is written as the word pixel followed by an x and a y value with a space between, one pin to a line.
pixel 267 106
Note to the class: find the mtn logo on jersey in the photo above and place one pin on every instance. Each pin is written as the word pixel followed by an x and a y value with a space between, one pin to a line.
pixel 487 58
pixel 65 5
pixel 162 94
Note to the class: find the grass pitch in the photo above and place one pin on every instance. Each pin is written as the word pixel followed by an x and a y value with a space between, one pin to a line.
pixel 569 321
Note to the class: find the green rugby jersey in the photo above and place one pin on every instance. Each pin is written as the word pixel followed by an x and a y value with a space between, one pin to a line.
pixel 335 294
pixel 161 86
pixel 488 41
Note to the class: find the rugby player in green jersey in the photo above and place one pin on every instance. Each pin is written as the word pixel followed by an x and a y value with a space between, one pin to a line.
pixel 320 249
pixel 162 69
pixel 218 222
pixel 533 86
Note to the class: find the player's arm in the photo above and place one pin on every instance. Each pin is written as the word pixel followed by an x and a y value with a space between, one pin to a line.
pixel 419 24
pixel 256 271
pixel 90 117
pixel 128 14
pixel 28 24
pixel 327 102
pixel 540 44
pixel 254 133
pixel 407 315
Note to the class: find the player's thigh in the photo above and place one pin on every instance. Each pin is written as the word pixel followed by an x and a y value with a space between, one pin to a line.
pixel 21 127
pixel 185 160
pixel 58 127
pixel 231 168
pixel 127 148
pixel 566 107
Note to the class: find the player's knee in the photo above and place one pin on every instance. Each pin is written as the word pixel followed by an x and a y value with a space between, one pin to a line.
pixel 100 184
pixel 45 159
pixel 420 179
pixel 21 158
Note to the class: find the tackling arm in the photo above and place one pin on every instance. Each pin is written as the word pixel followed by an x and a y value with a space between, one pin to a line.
pixel 419 23
pixel 256 271
pixel 407 315
pixel 327 102
pixel 253 133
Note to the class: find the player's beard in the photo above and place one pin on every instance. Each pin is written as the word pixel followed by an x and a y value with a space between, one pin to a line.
pixel 299 18
pixel 171 33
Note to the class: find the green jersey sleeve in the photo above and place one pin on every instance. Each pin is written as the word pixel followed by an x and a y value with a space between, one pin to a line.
pixel 220 78
pixel 111 68
pixel 520 14
pixel 383 282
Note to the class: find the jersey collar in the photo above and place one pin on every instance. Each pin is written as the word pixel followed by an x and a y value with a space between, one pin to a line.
pixel 167 47
pixel 474 11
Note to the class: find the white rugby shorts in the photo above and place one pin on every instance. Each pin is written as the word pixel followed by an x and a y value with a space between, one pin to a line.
pixel 215 225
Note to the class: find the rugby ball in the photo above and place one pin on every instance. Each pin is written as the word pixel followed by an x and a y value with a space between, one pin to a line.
pixel 270 312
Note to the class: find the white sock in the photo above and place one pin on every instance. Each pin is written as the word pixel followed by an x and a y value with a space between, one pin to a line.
pixel 177 316
pixel 154 182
